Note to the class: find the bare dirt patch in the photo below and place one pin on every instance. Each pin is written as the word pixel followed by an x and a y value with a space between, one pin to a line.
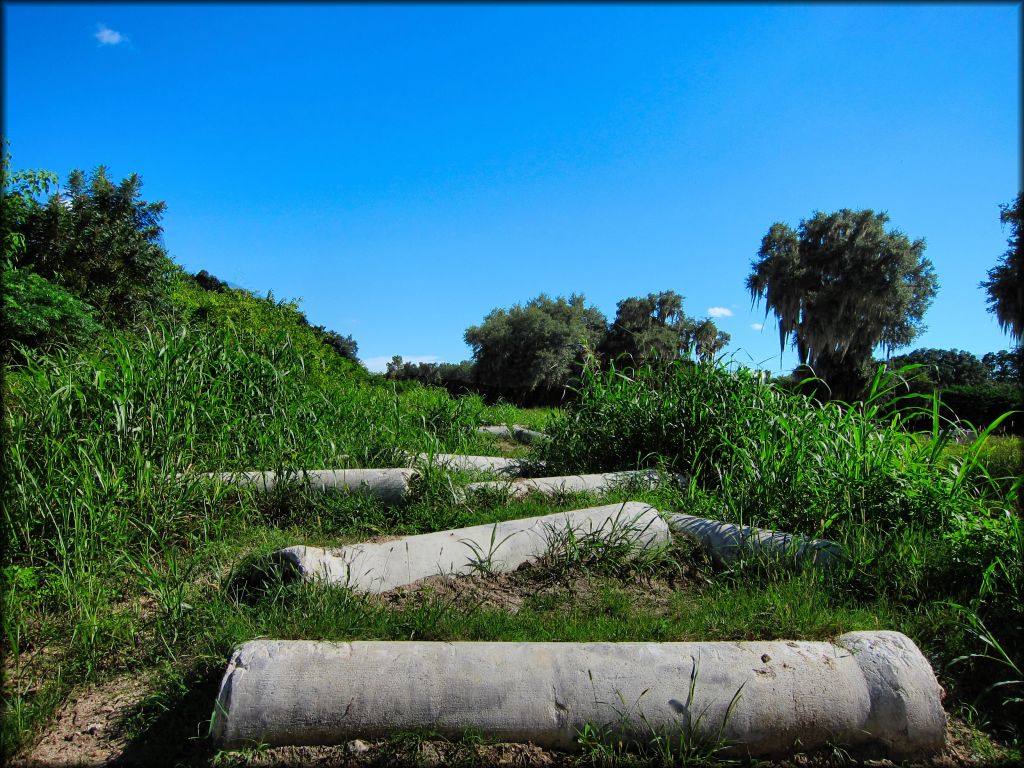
pixel 88 728
pixel 509 591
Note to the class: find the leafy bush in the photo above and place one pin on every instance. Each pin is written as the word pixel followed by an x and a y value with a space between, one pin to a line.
pixel 100 241
pixel 759 455
pixel 945 367
pixel 534 347
pixel 36 313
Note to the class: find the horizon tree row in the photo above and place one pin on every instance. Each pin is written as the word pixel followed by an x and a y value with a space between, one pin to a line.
pixel 531 352
pixel 841 285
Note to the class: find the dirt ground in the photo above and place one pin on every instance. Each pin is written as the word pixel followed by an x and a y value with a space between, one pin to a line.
pixel 87 729
pixel 508 591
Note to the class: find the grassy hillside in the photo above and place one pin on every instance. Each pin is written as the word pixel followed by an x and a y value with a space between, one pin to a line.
pixel 121 566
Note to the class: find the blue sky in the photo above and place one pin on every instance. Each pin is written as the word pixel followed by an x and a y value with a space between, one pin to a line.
pixel 404 169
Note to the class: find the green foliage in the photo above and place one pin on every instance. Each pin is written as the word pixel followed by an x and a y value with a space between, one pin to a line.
pixel 146 408
pixel 945 367
pixel 707 341
pixel 840 286
pixel 18 193
pixel 759 455
pixel 646 330
pixel 981 404
pixel 1005 366
pixel 540 345
pixel 1004 285
pixel 119 559
pixel 656 329
pixel 34 310
pixel 258 320
pixel 36 313
pixel 457 378
pixel 101 242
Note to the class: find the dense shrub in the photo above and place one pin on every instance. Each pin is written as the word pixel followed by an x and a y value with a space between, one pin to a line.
pixel 36 312
pixel 540 345
pixel 981 404
pixel 102 242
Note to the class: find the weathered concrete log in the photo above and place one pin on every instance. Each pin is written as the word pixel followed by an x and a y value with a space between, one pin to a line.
pixel 553 485
pixel 727 541
pixel 389 485
pixel 497 548
pixel 870 692
pixel 499 465
pixel 518 433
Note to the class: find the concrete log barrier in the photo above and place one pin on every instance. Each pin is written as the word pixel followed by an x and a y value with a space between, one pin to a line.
pixel 389 485
pixel 726 542
pixel 497 548
pixel 517 433
pixel 871 693
pixel 550 486
pixel 499 465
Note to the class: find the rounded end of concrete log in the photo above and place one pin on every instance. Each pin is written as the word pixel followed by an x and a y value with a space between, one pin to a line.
pixel 906 718
pixel 221 720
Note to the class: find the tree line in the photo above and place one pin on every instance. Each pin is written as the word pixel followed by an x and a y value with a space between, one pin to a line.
pixel 531 353
pixel 841 285
pixel 90 254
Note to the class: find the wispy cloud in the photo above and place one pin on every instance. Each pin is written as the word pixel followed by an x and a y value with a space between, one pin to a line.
pixel 380 364
pixel 108 36
pixel 757 326
pixel 719 311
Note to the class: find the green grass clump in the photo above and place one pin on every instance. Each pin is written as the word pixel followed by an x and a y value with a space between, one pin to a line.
pixel 922 522
pixel 105 525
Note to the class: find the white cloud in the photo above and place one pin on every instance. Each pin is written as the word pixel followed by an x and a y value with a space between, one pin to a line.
pixel 108 36
pixel 380 364
pixel 757 326
pixel 719 311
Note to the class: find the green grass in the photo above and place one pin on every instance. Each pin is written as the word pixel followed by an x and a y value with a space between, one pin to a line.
pixel 924 522
pixel 116 565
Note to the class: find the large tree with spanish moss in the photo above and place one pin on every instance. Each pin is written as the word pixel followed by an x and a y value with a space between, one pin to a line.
pixel 1004 286
pixel 840 286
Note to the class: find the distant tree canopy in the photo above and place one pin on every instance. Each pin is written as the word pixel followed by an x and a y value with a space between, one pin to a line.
pixel 538 345
pixel 1005 286
pixel 100 241
pixel 840 286
pixel 706 340
pixel 945 367
pixel 533 351
pixel 654 329
pixel 1005 366
pixel 647 330
pixel 457 378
